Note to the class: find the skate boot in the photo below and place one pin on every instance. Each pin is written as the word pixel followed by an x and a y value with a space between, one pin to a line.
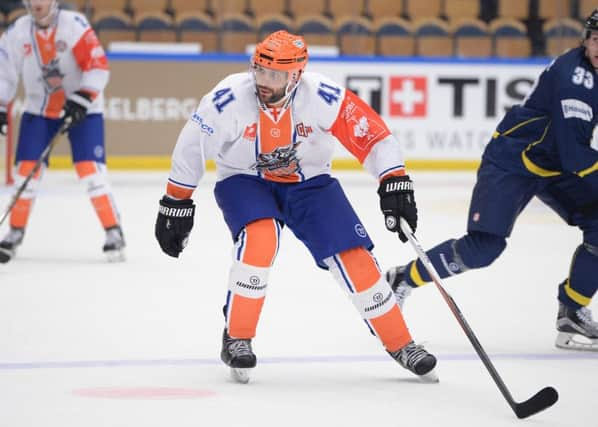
pixel 396 278
pixel 237 354
pixel 577 330
pixel 114 247
pixel 416 359
pixel 8 245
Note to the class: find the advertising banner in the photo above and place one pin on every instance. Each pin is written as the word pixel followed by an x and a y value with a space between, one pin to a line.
pixel 443 110
pixel 440 110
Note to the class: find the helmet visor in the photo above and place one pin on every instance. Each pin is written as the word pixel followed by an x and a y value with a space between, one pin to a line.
pixel 269 77
pixel 42 11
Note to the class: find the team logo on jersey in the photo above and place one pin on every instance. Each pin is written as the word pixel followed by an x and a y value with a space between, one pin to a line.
pixel 250 132
pixel 60 46
pixel 362 128
pixel 408 96
pixel 98 151
pixel 205 128
pixel 52 76
pixel 281 161
pixel 576 109
pixel 303 130
pixel 97 52
pixel 360 231
pixel 27 49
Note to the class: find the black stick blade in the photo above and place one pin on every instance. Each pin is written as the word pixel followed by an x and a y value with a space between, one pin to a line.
pixel 538 402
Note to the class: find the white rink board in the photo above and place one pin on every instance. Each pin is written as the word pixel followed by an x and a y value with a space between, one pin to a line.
pixel 438 109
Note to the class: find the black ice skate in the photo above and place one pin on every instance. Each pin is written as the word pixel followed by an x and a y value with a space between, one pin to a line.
pixel 396 278
pixel 417 360
pixel 8 245
pixel 577 329
pixel 237 354
pixel 114 247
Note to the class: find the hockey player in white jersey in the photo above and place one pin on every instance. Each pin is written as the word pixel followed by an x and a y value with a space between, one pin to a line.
pixel 64 71
pixel 272 132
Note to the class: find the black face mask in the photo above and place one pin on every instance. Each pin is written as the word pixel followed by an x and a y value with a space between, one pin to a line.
pixel 591 24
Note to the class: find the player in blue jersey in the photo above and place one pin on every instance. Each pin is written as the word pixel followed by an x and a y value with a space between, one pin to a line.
pixel 545 147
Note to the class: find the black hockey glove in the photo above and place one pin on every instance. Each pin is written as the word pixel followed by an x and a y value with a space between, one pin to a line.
pixel 397 201
pixel 75 109
pixel 3 121
pixel 173 225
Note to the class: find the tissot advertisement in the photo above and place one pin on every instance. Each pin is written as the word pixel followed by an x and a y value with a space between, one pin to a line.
pixel 438 110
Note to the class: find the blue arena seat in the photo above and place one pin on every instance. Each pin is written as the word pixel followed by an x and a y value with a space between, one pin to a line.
pixel 113 26
pixel 423 9
pixel 236 32
pixel 101 6
pixel 189 6
pixel 561 35
pixel 267 7
pixel 432 38
pixel 472 38
pixel 197 28
pixel 146 6
pixel 316 30
pixel 355 36
pixel 155 27
pixel 510 38
pixel 514 9
pixel 379 9
pixel 343 8
pixel 554 9
pixel 394 37
pixel 223 8
pixel 459 9
pixel 269 23
pixel 299 9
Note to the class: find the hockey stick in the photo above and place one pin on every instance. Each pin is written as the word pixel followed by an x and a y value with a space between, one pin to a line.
pixel 538 402
pixel 36 167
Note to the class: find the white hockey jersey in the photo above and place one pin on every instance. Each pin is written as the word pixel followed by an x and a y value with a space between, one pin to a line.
pixel 53 62
pixel 290 144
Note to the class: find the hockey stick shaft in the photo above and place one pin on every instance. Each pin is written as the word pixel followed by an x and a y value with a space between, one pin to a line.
pixel 38 164
pixel 542 400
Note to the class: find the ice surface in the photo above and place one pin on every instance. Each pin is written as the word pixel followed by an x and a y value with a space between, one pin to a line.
pixel 87 343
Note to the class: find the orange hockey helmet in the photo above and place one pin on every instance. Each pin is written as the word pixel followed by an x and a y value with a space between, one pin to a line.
pixel 282 51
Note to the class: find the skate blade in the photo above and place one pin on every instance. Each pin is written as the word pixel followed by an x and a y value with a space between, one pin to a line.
pixel 240 375
pixel 572 341
pixel 429 378
pixel 6 255
pixel 117 255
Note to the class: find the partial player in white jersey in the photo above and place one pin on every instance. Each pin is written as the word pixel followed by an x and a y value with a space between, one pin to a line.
pixel 64 71
pixel 272 132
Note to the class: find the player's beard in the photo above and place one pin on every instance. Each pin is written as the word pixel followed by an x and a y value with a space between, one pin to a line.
pixel 270 96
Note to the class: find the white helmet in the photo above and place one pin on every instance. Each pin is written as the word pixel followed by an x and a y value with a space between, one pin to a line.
pixel 46 20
